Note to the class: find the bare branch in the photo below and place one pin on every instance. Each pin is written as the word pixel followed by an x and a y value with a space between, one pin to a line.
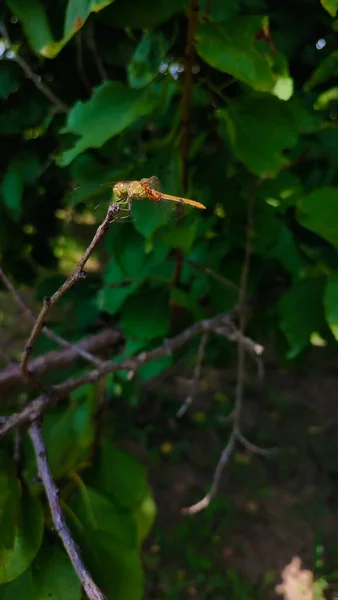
pixel 197 373
pixel 77 274
pixel 58 518
pixel 11 376
pixel 202 504
pixel 37 407
pixel 48 332
pixel 243 343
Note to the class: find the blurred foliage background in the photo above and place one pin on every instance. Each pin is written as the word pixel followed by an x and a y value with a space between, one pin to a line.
pixel 233 104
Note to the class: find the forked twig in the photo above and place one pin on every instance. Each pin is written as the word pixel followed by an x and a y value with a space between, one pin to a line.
pixel 48 332
pixel 58 518
pixel 49 301
pixel 243 343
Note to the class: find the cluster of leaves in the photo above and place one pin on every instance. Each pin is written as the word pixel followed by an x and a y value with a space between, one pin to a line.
pixel 263 123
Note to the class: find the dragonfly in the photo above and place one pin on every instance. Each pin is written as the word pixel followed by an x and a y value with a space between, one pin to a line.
pixel 150 189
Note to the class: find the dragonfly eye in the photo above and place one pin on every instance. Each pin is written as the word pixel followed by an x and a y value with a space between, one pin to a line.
pixel 120 190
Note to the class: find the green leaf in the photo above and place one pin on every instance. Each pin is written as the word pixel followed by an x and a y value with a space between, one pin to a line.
pixel 130 257
pixel 9 79
pixel 331 6
pixel 154 368
pixel 12 190
pixel 331 304
pixel 180 237
pixel 129 13
pixel 327 69
pixel 111 299
pixel 69 436
pixel 29 525
pixel 119 476
pixel 231 47
pixel 104 521
pixel 111 109
pixel 109 540
pixel 318 211
pixel 301 313
pixel 78 12
pixel 325 98
pixel 186 300
pixel 50 577
pixel 32 14
pixel 218 10
pixel 261 122
pixel 146 60
pixel 146 315
pixel 145 515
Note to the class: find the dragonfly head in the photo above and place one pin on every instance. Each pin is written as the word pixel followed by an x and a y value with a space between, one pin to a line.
pixel 120 189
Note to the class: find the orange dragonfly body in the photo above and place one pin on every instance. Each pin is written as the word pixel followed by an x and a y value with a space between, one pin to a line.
pixel 148 188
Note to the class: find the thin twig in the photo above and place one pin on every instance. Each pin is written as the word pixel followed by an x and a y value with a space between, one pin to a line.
pixel 48 332
pixel 36 79
pixel 185 130
pixel 187 89
pixel 240 337
pixel 38 406
pixel 58 518
pixel 211 273
pixel 253 448
pixel 11 376
pixel 79 63
pixel 197 373
pixel 49 301
pixel 202 504
pixel 97 59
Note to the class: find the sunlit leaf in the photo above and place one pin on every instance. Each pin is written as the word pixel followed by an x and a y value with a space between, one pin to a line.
pixel 331 6
pixel 34 17
pixel 231 47
pixel 111 109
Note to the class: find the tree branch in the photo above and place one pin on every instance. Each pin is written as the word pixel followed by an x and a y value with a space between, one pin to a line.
pixel 58 518
pixel 11 376
pixel 221 325
pixel 48 332
pixel 240 337
pixel 49 301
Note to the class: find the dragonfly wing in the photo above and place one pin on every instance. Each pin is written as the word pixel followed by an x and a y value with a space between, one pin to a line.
pixel 153 182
